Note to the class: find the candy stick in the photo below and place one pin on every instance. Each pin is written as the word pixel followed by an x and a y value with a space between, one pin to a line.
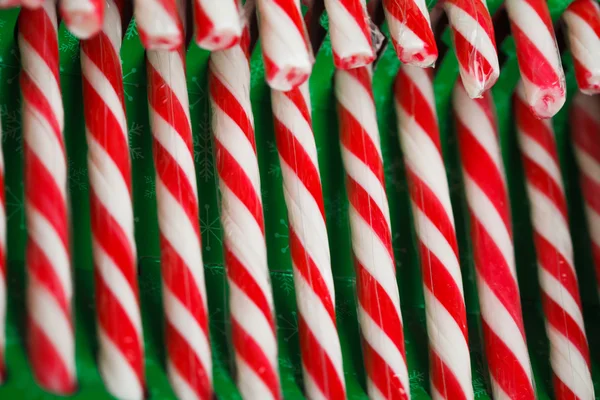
pixel 284 42
pixel 583 30
pixel 379 301
pixel 585 133
pixel 434 222
pixel 309 245
pixel 82 17
pixel 121 353
pixel 33 4
pixel 9 3
pixel 49 291
pixel 159 24
pixel 184 294
pixel 2 267
pixel 410 31
pixel 474 43
pixel 350 33
pixel 218 24
pixel 251 300
pixel 569 353
pixel 539 60
pixel 491 234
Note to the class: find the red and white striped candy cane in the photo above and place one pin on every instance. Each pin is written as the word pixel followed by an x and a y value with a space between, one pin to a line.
pixel 474 43
pixel 184 293
pixel 434 223
pixel 121 352
pixel 379 301
pixel 410 31
pixel 33 4
pixel 9 3
pixel 218 23
pixel 350 33
pixel 583 30
pixel 309 245
pixel 539 60
pixel 251 300
pixel 3 268
pixel 82 17
pixel 286 50
pixel 159 24
pixel 569 353
pixel 49 290
pixel 585 133
pixel 491 233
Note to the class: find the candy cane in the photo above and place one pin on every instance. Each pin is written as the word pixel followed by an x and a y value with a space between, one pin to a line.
pixel 83 17
pixel 159 24
pixel 121 353
pixel 585 133
pixel 379 302
pixel 491 233
pixel 218 24
pixel 49 291
pixel 350 33
pixel 285 47
pixel 184 293
pixel 9 3
pixel 474 43
pixel 539 60
pixel 251 300
pixel 583 30
pixel 434 222
pixel 569 353
pixel 309 245
pixel 410 31
pixel 33 4
pixel 2 267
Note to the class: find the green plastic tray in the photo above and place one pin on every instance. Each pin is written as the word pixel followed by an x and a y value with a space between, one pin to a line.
pixel 20 383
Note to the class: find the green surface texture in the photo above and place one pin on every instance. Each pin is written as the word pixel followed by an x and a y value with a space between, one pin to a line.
pixel 20 383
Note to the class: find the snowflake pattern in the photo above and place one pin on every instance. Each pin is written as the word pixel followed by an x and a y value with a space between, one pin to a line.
pixel 215 269
pixel 77 176
pixel 288 327
pixel 70 45
pixel 15 205
pixel 128 84
pixel 336 209
pixel 203 155
pixel 415 379
pixel 198 91
pixel 150 190
pixel 257 73
pixel 287 282
pixel 11 122
pixel 343 309
pixel 131 31
pixel 2 23
pixel 210 228
pixel 135 130
pixel 275 170
pixel 479 387
pixel 283 236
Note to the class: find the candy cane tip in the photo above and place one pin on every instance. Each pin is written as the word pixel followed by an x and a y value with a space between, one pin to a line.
pixel 9 4
pixel 83 24
pixel 220 40
pixel 355 61
pixel 288 78
pixel 547 102
pixel 32 3
pixel 475 88
pixel 418 56
pixel 593 85
pixel 163 43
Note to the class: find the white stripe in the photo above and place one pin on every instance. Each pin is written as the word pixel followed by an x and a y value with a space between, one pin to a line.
pixel 182 389
pixel 231 68
pixel 561 296
pixel 374 256
pixel 185 324
pixel 46 238
pixel 110 188
pixel 503 325
pixel 383 346
pixel 223 15
pixel 118 376
pixel 594 224
pixel 498 392
pixel 347 36
pixel 96 78
pixel 306 220
pixel 448 342
pixel 373 391
pixel 118 285
pixel 173 143
pixel 312 390
pixel 585 44
pixel 366 179
pixel 587 164
pixel 250 385
pixel 155 21
pixel 485 212
pixel 533 150
pixel 409 42
pixel 569 365
pixel 421 79
pixel 169 66
pixel 588 105
pixel 49 316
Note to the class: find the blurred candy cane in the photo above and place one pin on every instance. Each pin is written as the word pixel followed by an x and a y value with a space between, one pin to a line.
pixel 474 43
pixel 3 267
pixel 585 133
pixel 350 33
pixel 33 4
pixel 491 232
pixel 569 353
pixel 49 290
pixel 410 31
pixel 83 17
pixel 379 301
pixel 9 3
pixel 309 245
pixel 184 294
pixel 539 60
pixel 121 352
pixel 583 30
pixel 434 223
pixel 251 299
pixel 218 24
pixel 286 50
pixel 159 24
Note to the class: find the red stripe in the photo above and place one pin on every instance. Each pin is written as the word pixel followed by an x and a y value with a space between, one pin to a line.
pixel 407 11
pixel 444 380
pixel 357 10
pixel 297 97
pixel 562 391
pixel 36 101
pixel 35 26
pixel 471 59
pixel 535 128
pixel 294 155
pixel 317 363
pixel 538 178
pixel 583 76
pixel 586 131
pixel 382 376
pixel 203 24
pixel 541 8
pixel 589 11
pixel 591 192
pixel 292 9
pixel 239 275
pixel 363 76
pixel 479 12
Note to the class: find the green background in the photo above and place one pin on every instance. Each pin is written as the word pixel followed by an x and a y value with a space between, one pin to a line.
pixel 20 383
